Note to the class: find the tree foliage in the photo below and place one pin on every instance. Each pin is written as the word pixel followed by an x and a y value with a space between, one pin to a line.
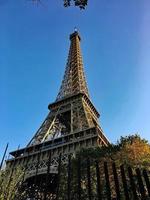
pixel 10 182
pixel 80 3
pixel 67 3
pixel 131 150
pixel 134 151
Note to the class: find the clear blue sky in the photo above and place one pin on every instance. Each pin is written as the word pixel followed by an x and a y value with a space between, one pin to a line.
pixel 33 51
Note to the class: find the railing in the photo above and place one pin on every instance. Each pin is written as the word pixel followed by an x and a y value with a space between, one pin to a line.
pixel 95 180
pixel 89 179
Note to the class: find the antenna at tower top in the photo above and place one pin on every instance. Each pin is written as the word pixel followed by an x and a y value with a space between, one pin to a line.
pixel 75 29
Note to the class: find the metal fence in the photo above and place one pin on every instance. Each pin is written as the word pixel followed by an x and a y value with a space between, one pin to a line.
pixel 88 179
pixel 95 180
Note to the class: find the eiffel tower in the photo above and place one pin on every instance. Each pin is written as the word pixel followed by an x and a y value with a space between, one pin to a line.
pixel 71 124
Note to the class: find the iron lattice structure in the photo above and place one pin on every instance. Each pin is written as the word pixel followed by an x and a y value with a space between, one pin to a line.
pixel 71 124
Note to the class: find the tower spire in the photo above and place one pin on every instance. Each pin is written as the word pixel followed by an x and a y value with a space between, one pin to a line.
pixel 74 81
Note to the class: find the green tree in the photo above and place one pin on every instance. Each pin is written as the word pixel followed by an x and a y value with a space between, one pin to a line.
pixel 10 183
